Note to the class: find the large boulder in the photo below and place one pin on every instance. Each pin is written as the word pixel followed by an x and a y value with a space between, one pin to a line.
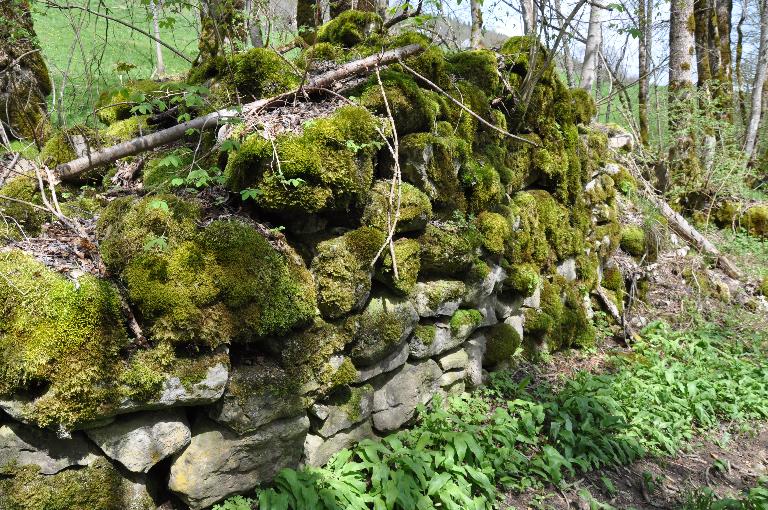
pixel 219 463
pixel 344 410
pixel 141 440
pixel 396 398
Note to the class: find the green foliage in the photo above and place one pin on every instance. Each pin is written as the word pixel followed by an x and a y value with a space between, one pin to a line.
pixel 512 437
pixel 704 498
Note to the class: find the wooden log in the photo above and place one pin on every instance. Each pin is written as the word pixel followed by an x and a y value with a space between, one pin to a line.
pixel 76 167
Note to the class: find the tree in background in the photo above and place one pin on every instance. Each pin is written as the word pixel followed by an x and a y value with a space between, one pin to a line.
pixel 222 25
pixel 592 48
pixel 24 79
pixel 758 85
pixel 644 47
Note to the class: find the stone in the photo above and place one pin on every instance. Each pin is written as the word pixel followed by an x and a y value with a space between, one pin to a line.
pixel 475 349
pixel 487 309
pixel 347 409
pixel 567 269
pixel 218 463
pixel 517 322
pixel 254 398
pixel 534 300
pixel 477 292
pixel 454 360
pixel 388 364
pixel 449 378
pixel 431 340
pixel 141 440
pixel 506 307
pixel 317 450
pixel 621 141
pixel 24 446
pixel 438 297
pixel 381 329
pixel 396 397
pixel 136 492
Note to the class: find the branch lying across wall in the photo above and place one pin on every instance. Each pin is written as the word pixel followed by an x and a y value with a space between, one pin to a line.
pixel 76 167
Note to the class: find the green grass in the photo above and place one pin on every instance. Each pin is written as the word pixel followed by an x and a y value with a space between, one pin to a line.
pixel 90 59
pixel 466 451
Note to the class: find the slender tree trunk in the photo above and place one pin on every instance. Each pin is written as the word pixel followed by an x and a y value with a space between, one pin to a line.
pixel 702 12
pixel 476 30
pixel 724 12
pixel 529 15
pixel 253 25
pixel 309 16
pixel 594 40
pixel 24 79
pixel 567 58
pixel 643 69
pixel 739 52
pixel 156 28
pixel 683 163
pixel 222 24
pixel 759 83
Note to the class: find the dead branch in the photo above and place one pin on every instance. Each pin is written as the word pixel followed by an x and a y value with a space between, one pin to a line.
pixel 464 107
pixel 404 15
pixel 72 169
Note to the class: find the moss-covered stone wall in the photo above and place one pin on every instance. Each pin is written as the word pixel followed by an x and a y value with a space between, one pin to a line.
pixel 279 317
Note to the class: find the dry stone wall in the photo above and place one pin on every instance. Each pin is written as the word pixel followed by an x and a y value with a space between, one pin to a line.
pixel 270 349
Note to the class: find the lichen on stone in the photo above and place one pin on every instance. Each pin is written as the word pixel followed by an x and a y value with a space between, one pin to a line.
pixel 414 212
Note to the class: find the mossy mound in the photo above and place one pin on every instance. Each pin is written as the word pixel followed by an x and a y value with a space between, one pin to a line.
pixel 495 230
pixel 624 181
pixel 21 219
pixel 329 167
pixel 343 269
pixel 124 130
pixel 562 320
pixel 763 287
pixel 414 212
pixel 116 103
pixel 503 342
pixel 522 279
pixel 58 333
pixel 449 248
pixel 413 108
pixel 584 108
pixel 408 259
pixel 350 28
pixel 755 220
pixel 60 146
pixel 260 72
pixel 208 286
pixel 381 328
pixel 479 67
pixel 482 186
pixel 633 240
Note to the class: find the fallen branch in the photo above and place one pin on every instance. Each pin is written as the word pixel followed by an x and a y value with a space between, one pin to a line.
pixel 107 155
pixel 685 229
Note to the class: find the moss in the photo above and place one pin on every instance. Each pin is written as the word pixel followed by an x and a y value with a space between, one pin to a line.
pixel 755 220
pixel 482 185
pixel 633 240
pixel 96 487
pixel 408 257
pixel 332 160
pixel 209 69
pixel 413 108
pixel 143 378
pixel 613 279
pixel 124 130
pixel 494 229
pixel 584 109
pixel 463 319
pixel 479 67
pixel 624 181
pixel 159 172
pixel 306 356
pixel 57 150
pixel 59 334
pixel 449 248
pixel 261 72
pixel 763 287
pixel 320 52
pixel 600 190
pixel 414 212
pixel 209 286
pixel 20 219
pixel 383 325
pixel 425 333
pixel 562 320
pixel 523 279
pixel 503 342
pixel 595 155
pixel 355 398
pixel 349 28
pixel 439 292
pixel 342 270
pixel 587 267
pixel 432 164
pixel 116 103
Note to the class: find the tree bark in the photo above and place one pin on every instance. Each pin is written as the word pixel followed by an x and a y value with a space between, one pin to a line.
pixel 567 58
pixel 594 40
pixel 683 163
pixel 742 103
pixel 253 25
pixel 222 24
pixel 74 168
pixel 476 30
pixel 528 9
pixel 156 28
pixel 643 68
pixel 309 16
pixel 24 79
pixel 702 13
pixel 758 84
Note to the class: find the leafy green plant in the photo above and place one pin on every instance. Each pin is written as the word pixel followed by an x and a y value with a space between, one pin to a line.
pixel 705 499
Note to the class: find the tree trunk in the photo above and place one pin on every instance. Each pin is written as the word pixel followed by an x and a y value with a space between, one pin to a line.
pixel 702 13
pixel 643 68
pixel 683 163
pixel 529 16
pixel 739 51
pixel 24 79
pixel 724 11
pixel 253 25
pixel 594 40
pixel 309 16
pixel 567 58
pixel 156 28
pixel 222 24
pixel 476 31
pixel 757 86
